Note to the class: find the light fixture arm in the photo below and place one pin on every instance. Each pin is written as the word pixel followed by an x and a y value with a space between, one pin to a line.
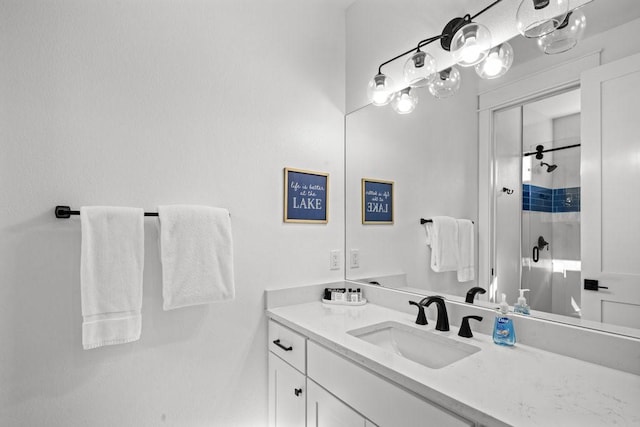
pixel 422 43
pixel 446 36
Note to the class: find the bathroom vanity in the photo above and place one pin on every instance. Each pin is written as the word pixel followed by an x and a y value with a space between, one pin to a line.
pixel 332 365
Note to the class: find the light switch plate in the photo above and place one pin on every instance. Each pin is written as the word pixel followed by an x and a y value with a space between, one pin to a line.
pixel 334 259
pixel 354 257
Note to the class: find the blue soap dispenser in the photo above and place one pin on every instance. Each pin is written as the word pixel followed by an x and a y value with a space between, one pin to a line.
pixel 503 331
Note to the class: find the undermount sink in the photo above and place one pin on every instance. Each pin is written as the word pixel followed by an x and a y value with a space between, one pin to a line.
pixel 424 347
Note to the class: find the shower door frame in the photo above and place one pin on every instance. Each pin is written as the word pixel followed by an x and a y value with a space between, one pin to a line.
pixel 553 80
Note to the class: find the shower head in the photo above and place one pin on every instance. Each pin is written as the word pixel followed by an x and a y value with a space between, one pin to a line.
pixel 550 168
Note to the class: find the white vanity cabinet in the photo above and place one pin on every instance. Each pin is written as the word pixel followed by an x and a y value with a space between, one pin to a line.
pixel 314 386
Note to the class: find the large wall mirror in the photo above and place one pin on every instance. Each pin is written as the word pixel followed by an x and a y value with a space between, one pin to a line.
pixel 546 167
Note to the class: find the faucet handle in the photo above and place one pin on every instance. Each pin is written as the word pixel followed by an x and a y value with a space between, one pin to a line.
pixel 465 329
pixel 422 317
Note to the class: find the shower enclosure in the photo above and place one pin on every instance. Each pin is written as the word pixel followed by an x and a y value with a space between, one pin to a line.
pixel 537 205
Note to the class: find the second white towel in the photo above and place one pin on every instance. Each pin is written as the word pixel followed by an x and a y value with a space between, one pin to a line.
pixel 466 250
pixel 442 236
pixel 196 250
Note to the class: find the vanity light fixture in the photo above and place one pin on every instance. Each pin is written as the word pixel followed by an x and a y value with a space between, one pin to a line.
pixel 446 83
pixel 380 90
pixel 535 18
pixel 420 69
pixel 566 36
pixel 497 62
pixel 470 44
pixel 405 101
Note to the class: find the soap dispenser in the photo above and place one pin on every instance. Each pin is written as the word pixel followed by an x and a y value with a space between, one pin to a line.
pixel 521 307
pixel 504 332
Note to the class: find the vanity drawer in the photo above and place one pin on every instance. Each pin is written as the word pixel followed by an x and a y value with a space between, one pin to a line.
pixel 290 346
pixel 379 400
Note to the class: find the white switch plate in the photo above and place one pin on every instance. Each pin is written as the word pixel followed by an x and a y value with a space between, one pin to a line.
pixel 354 258
pixel 334 259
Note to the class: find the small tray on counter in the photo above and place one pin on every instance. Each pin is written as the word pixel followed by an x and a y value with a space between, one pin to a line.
pixel 328 301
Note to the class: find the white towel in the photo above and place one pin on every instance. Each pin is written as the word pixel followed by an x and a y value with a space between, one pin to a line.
pixel 197 255
pixel 466 252
pixel 442 236
pixel 111 265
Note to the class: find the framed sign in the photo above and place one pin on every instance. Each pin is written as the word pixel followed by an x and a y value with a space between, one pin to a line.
pixel 306 196
pixel 377 201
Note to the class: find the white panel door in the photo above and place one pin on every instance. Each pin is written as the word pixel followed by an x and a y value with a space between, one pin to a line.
pixel 287 394
pixel 610 200
pixel 325 410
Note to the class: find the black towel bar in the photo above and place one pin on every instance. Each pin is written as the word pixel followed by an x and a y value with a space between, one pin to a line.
pixel 66 212
pixel 426 221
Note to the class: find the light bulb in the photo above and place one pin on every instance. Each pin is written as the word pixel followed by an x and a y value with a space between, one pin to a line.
pixel 446 83
pixel 380 90
pixel 566 36
pixel 470 44
pixel 419 70
pixel 405 101
pixel 535 18
pixel 497 62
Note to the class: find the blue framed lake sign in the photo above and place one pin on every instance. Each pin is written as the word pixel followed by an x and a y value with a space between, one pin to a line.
pixel 306 196
pixel 377 201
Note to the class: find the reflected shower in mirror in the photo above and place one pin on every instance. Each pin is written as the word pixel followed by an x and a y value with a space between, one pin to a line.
pixel 538 154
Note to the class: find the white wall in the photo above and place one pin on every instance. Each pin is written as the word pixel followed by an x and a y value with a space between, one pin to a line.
pixel 141 103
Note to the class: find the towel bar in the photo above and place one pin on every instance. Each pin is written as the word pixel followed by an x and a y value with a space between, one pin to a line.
pixel 66 212
pixel 426 221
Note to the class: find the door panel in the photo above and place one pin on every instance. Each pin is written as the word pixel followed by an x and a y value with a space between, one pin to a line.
pixel 611 191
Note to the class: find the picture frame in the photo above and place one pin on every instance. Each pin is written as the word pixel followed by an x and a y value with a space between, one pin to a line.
pixel 377 201
pixel 306 196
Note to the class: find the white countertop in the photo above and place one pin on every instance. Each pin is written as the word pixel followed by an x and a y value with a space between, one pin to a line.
pixel 519 386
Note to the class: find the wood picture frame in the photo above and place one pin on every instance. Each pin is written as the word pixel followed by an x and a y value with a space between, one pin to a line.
pixel 306 196
pixel 377 201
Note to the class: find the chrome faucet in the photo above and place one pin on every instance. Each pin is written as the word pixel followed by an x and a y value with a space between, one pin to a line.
pixel 442 324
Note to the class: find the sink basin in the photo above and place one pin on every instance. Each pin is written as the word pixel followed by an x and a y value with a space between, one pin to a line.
pixel 424 347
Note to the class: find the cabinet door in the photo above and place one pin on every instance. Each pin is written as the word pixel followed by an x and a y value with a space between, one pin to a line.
pixel 325 410
pixel 610 191
pixel 287 393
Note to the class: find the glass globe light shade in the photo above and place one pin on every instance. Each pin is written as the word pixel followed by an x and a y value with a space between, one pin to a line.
pixel 497 62
pixel 405 101
pixel 446 83
pixel 566 36
pixel 380 90
pixel 419 70
pixel 535 18
pixel 470 44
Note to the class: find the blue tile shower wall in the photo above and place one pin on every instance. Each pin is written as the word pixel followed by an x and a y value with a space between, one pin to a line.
pixel 541 199
pixel 566 199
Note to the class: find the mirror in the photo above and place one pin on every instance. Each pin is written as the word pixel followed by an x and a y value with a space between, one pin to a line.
pixel 432 156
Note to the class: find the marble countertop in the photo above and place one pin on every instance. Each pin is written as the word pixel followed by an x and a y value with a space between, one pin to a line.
pixel 497 386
